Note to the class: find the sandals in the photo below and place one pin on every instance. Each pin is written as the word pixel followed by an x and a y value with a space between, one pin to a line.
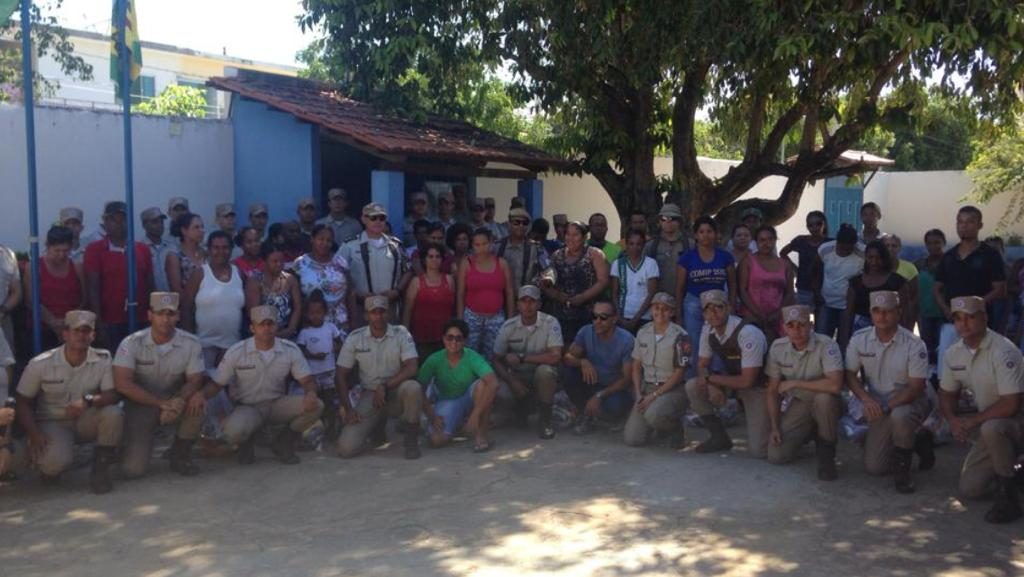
pixel 484 447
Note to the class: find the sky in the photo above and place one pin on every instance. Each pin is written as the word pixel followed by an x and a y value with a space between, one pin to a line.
pixel 263 30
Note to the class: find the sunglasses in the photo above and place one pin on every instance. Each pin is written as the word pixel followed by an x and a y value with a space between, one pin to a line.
pixel 519 222
pixel 454 338
pixel 377 218
pixel 601 316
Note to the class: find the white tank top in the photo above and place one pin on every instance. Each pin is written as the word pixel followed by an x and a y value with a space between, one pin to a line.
pixel 219 309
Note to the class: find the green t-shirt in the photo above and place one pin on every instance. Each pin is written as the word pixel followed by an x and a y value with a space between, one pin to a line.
pixel 452 383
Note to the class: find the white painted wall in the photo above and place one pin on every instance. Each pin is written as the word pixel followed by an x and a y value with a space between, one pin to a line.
pixel 80 162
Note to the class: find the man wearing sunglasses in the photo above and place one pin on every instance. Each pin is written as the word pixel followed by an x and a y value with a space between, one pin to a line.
pixel 667 246
pixel 525 258
pixel 66 395
pixel 377 263
pixel 601 363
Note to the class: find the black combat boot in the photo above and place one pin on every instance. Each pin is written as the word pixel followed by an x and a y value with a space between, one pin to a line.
pixel 99 477
pixel 826 453
pixel 284 446
pixel 411 441
pixel 522 417
pixel 677 438
pixel 181 458
pixel 924 446
pixel 901 470
pixel 247 451
pixel 1007 505
pixel 379 435
pixel 544 428
pixel 719 439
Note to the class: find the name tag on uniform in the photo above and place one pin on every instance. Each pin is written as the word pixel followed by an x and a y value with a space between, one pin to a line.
pixel 868 355
pixel 52 381
pixel 362 351
pixel 958 368
pixel 519 340
pixel 144 363
pixel 245 367
pixel 785 366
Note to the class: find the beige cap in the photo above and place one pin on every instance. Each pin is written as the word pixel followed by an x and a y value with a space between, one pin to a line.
pixel 262 314
pixel 337 193
pixel 665 299
pixel 529 291
pixel 71 213
pixel 886 300
pixel 76 319
pixel 799 313
pixel 373 209
pixel 306 201
pixel 968 305
pixel 258 208
pixel 670 210
pixel 177 201
pixel 376 302
pixel 224 209
pixel 713 297
pixel 152 213
pixel 560 219
pixel 519 213
pixel 163 301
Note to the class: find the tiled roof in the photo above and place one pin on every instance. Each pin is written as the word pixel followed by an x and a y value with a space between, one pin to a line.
pixel 382 133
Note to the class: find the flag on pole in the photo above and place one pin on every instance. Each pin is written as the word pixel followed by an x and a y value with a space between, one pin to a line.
pixel 7 7
pixel 131 39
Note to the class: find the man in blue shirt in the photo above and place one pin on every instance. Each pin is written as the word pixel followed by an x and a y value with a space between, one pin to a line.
pixel 600 364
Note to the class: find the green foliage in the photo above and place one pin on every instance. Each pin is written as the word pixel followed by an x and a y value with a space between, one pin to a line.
pixel 48 39
pixel 175 100
pixel 998 168
pixel 622 81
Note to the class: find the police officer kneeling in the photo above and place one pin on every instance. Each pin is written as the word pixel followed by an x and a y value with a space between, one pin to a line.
pixel 256 372
pixel 805 376
pixel 991 367
pixel 157 370
pixel 76 402
pixel 886 366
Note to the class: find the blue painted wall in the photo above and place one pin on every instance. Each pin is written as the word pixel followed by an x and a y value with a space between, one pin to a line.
pixel 277 160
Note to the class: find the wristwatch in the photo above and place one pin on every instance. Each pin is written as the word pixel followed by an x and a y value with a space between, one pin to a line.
pixel 522 357
pixel 89 400
pixel 600 394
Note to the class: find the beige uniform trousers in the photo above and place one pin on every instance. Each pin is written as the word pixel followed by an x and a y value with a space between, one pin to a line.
pixel 664 414
pixel 140 422
pixel 804 420
pixel 753 407
pixel 244 420
pixel 103 425
pixel 897 429
pixel 406 401
pixel 994 453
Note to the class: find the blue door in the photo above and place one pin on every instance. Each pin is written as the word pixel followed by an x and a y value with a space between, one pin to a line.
pixel 842 203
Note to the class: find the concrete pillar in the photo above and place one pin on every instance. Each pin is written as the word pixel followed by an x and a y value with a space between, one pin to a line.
pixel 387 188
pixel 531 190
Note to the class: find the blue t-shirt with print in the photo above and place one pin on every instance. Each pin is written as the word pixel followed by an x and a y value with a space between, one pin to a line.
pixel 704 276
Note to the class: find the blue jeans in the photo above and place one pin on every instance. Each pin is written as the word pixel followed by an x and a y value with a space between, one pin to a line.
pixel 805 297
pixel 453 411
pixel 947 336
pixel 693 322
pixel 826 321
pixel 930 328
pixel 615 405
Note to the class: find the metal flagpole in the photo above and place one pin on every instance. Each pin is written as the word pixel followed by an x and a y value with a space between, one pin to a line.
pixel 30 154
pixel 124 62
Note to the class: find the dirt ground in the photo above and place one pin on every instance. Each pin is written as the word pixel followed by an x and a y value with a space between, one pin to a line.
pixel 580 506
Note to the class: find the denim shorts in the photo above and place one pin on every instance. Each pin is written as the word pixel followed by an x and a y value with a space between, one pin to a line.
pixel 454 411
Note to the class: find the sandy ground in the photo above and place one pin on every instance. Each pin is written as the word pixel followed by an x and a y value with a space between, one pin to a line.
pixel 585 506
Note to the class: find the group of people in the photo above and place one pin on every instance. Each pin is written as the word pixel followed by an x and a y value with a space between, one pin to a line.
pixel 336 321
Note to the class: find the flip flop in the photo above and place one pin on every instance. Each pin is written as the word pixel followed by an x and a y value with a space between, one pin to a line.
pixel 478 448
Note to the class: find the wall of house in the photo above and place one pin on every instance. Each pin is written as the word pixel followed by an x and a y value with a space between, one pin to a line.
pixel 80 162
pixel 277 159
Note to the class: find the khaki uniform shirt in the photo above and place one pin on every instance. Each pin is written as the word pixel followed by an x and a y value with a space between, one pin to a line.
pixel 517 338
pixel 887 367
pixel 383 270
pixel 821 356
pixel 379 359
pixel 161 369
pixel 660 356
pixel 996 368
pixel 251 379
pixel 56 383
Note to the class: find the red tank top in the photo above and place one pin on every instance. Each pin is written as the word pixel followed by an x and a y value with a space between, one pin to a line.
pixel 58 294
pixel 485 291
pixel 433 307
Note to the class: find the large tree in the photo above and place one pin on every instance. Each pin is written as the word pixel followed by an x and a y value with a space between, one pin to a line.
pixel 624 79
